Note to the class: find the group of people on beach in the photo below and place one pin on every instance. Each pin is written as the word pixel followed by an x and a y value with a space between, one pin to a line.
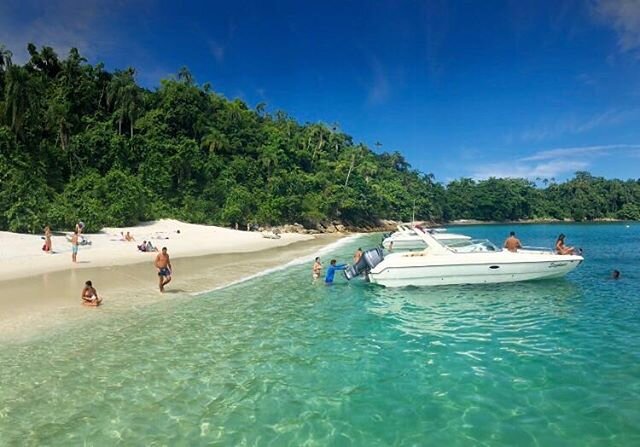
pixel 163 265
pixel 89 293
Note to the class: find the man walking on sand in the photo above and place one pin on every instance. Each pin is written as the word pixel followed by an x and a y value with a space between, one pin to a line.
pixel 74 246
pixel 163 264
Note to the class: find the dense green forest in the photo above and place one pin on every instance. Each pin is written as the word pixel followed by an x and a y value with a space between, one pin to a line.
pixel 79 142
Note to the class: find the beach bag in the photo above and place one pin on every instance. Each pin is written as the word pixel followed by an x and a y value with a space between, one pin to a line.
pixel 44 247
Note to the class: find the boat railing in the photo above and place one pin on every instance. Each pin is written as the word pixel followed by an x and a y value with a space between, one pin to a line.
pixel 472 246
pixel 537 249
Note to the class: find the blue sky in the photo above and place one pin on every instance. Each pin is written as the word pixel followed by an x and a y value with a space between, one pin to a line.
pixel 463 88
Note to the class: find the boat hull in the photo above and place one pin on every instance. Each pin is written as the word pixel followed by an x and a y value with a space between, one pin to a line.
pixel 471 273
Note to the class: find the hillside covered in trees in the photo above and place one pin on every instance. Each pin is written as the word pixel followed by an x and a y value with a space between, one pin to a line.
pixel 80 143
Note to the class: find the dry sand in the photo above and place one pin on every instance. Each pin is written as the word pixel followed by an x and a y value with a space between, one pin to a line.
pixel 21 255
pixel 45 289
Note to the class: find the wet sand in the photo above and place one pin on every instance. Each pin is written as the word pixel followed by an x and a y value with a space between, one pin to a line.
pixel 34 305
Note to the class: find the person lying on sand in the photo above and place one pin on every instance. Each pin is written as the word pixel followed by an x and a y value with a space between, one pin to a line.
pixel 90 295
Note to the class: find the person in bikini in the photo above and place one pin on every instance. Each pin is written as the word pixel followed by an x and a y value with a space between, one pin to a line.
pixel 163 264
pixel 47 240
pixel 562 249
pixel 316 269
pixel 90 295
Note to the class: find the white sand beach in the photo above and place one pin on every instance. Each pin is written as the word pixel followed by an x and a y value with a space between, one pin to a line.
pixel 21 255
pixel 39 291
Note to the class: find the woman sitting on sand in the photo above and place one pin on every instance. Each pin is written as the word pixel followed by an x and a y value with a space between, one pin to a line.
pixel 90 295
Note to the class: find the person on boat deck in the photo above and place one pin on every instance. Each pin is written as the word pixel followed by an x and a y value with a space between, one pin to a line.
pixel 512 243
pixel 331 271
pixel 562 249
pixel 90 295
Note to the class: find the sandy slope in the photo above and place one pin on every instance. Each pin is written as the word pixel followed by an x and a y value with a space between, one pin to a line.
pixel 21 255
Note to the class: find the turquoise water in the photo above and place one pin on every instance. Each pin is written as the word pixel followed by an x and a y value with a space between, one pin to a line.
pixel 279 361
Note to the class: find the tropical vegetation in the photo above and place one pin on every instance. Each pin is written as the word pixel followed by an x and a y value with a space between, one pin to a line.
pixel 78 142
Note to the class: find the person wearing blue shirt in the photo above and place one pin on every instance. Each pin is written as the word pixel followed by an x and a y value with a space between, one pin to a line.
pixel 331 271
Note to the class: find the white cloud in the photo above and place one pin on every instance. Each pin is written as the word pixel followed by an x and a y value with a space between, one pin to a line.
pixel 60 24
pixel 582 151
pixel 553 163
pixel 379 90
pixel 573 125
pixel 518 169
pixel 217 50
pixel 624 17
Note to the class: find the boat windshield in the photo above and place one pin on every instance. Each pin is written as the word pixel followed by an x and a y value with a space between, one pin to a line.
pixel 471 246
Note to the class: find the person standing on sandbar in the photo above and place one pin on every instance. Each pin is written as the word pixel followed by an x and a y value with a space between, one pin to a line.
pixel 163 264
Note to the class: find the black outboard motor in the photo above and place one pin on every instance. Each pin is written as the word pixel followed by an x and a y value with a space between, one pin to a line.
pixel 368 260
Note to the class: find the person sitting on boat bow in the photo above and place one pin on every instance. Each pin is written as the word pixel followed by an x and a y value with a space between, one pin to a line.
pixel 562 249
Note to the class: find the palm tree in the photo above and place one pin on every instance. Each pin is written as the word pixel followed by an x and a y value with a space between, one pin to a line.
pixel 5 58
pixel 124 98
pixel 17 97
pixel 214 141
pixel 185 76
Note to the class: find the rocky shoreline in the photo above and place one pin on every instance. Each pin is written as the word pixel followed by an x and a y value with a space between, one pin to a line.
pixel 384 225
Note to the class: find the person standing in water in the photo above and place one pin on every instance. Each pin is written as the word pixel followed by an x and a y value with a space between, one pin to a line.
pixel 74 246
pixel 90 295
pixel 316 270
pixel 331 271
pixel 163 264
pixel 357 256
pixel 512 243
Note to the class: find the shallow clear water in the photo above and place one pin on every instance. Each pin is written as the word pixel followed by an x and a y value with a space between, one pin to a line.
pixel 279 361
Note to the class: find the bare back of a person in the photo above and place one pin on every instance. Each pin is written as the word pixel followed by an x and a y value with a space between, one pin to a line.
pixel 512 244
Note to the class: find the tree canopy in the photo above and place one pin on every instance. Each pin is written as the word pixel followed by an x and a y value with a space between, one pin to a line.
pixel 79 142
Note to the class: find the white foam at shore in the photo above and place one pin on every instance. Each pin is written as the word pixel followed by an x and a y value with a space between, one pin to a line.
pixel 297 261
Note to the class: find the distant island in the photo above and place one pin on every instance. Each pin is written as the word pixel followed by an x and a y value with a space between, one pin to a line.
pixel 80 143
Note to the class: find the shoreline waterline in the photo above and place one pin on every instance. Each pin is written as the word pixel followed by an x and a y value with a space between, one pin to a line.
pixel 37 304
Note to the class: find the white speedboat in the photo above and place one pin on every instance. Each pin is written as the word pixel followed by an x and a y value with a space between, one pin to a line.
pixel 407 239
pixel 478 263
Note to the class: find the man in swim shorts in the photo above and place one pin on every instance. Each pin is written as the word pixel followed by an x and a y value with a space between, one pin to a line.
pixel 90 295
pixel 163 264
pixel 74 246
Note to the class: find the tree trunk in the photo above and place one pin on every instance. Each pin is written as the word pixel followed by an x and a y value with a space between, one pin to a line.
pixel 353 160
